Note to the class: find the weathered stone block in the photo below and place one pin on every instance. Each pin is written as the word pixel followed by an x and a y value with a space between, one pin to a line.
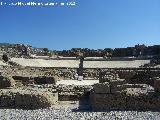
pixel 108 101
pixel 117 85
pixel 25 99
pixel 132 88
pixel 143 102
pixel 157 84
pixel 106 76
pixel 139 91
pixel 24 79
pixel 6 81
pixel 44 80
pixel 102 87
pixel 117 82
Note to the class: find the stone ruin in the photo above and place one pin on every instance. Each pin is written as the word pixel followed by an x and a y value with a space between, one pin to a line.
pixel 73 92
pixel 120 88
pixel 25 99
pixel 6 82
pixel 34 80
pixel 13 96
pixel 113 93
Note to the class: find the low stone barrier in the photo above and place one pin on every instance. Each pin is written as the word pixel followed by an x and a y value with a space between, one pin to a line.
pixel 127 96
pixel 117 94
pixel 107 101
pixel 73 92
pixel 44 80
pixel 6 81
pixel 25 99
pixel 24 80
pixel 102 88
pixel 35 80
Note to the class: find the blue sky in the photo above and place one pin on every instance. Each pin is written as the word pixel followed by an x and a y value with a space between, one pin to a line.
pixel 89 24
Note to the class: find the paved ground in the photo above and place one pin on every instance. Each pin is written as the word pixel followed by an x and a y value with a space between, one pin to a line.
pixel 76 82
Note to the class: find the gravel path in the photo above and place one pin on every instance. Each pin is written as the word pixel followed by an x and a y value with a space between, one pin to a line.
pixel 67 113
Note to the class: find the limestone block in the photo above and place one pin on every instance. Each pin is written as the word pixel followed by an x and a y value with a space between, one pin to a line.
pixel 139 91
pixel 143 102
pixel 117 82
pixel 106 76
pixel 102 87
pixel 157 84
pixel 108 101
pixel 6 81
pixel 44 80
pixel 25 99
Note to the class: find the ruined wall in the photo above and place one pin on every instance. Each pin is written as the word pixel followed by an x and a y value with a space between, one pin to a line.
pixel 23 80
pixel 144 76
pixel 132 75
pixel 106 76
pixel 25 99
pixel 6 81
pixel 121 97
pixel 44 80
pixel 118 94
pixel 35 80
pixel 73 92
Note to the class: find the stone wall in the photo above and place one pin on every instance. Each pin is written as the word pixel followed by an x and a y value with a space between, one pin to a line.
pixel 6 81
pixel 117 94
pixel 35 80
pixel 44 80
pixel 73 92
pixel 134 76
pixel 106 76
pixel 25 99
pixel 140 96
pixel 23 80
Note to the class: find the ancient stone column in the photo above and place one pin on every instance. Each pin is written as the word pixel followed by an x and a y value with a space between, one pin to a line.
pixel 80 69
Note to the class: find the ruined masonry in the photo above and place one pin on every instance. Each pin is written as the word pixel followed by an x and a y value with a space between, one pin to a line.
pixel 113 93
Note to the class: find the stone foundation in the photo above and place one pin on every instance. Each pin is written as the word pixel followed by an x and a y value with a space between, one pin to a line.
pixel 120 95
pixel 73 92
pixel 25 99
pixel 6 81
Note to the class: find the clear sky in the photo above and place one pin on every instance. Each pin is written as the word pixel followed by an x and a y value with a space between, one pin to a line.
pixel 88 24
